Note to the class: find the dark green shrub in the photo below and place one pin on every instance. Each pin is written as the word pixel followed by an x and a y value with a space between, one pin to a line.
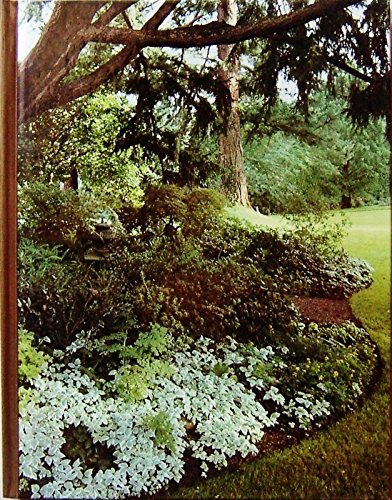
pixel 171 212
pixel 306 268
pixel 301 261
pixel 72 297
pixel 215 301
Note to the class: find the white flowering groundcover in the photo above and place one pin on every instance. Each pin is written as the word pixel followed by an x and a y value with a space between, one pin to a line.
pixel 219 392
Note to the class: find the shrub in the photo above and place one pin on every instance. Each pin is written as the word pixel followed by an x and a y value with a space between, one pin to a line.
pixel 72 297
pixel 50 215
pixel 35 260
pixel 171 212
pixel 306 259
pixel 301 261
pixel 342 368
pixel 220 300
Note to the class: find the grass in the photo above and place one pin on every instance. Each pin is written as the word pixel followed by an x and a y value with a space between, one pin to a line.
pixel 256 218
pixel 349 460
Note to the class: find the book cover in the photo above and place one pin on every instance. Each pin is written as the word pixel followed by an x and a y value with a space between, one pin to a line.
pixel 175 287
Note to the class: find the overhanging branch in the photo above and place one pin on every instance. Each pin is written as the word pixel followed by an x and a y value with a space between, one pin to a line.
pixel 334 60
pixel 43 79
pixel 113 11
pixel 215 33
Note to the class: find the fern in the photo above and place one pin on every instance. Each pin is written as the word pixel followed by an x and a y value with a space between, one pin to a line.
pixel 31 360
pixel 133 382
pixel 163 429
pixel 148 344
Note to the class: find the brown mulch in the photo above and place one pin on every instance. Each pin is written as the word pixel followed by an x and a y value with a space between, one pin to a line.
pixel 324 311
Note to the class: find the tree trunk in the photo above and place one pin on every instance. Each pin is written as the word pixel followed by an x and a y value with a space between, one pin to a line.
pixel 345 200
pixel 233 182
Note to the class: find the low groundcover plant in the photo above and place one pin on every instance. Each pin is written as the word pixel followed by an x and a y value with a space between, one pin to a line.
pixel 218 400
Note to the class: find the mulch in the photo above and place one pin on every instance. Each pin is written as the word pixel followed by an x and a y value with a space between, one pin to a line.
pixel 324 311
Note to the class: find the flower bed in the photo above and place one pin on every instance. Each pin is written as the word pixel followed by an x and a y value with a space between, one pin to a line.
pixel 81 437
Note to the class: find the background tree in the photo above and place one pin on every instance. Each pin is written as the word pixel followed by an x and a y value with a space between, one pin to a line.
pixel 82 136
pixel 296 164
pixel 305 41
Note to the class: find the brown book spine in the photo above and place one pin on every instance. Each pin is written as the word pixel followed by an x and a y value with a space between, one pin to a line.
pixel 8 245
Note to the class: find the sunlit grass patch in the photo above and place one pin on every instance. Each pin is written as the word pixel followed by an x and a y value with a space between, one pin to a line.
pixel 254 217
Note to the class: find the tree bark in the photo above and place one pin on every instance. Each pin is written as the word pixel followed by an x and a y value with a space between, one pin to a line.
pixel 233 182
pixel 346 199
pixel 214 33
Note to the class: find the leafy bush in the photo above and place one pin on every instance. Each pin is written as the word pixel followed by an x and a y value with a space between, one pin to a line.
pixel 314 273
pixel 217 300
pixel 71 297
pixel 342 369
pixel 301 261
pixel 173 212
pixel 50 215
pixel 36 260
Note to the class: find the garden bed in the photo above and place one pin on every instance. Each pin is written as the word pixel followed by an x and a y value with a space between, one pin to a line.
pixel 320 310
pixel 134 378
pixel 218 405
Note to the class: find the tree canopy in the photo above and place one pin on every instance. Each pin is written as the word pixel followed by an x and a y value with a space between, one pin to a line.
pixel 298 36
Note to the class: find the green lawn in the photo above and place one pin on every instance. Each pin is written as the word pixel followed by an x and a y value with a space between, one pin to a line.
pixel 350 460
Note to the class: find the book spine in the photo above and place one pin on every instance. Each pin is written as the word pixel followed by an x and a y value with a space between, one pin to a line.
pixel 8 245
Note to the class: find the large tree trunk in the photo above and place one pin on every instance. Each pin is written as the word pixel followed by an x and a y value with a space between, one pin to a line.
pixel 233 181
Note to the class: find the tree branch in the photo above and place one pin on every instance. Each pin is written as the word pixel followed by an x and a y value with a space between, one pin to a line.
pixel 216 33
pixel 83 85
pixel 60 95
pixel 113 11
pixel 348 69
pixel 62 55
pixel 49 62
pixel 161 14
pixel 127 21
pixel 334 60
